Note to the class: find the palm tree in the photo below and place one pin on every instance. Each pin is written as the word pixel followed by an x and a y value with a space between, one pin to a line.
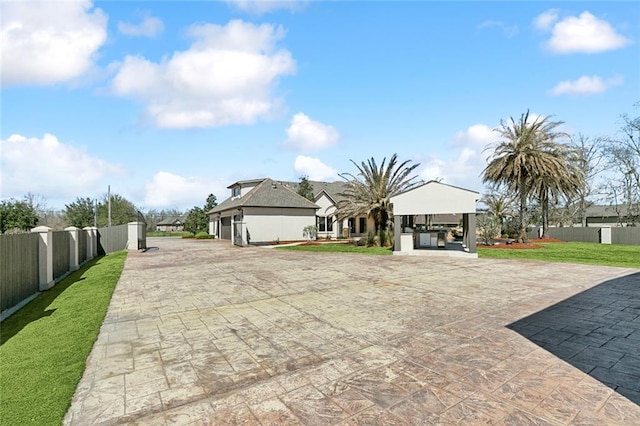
pixel 499 204
pixel 559 175
pixel 527 155
pixel 370 190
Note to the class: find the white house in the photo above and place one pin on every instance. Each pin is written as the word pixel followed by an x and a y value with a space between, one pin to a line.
pixel 265 210
pixel 261 211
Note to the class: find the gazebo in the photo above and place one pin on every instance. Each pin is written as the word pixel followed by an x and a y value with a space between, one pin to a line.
pixel 412 210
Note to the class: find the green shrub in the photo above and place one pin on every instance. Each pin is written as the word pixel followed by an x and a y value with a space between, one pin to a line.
pixel 204 236
pixel 359 242
pixel 188 236
pixel 371 239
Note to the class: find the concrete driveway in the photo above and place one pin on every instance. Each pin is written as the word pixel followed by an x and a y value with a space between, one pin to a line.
pixel 200 332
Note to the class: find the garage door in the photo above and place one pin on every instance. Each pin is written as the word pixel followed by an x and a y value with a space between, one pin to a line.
pixel 225 223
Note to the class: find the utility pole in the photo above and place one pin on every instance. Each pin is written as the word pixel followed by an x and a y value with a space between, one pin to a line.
pixel 95 212
pixel 109 203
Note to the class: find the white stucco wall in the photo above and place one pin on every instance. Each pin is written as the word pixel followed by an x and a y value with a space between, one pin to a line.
pixel 246 188
pixel 326 206
pixel 270 224
pixel 434 198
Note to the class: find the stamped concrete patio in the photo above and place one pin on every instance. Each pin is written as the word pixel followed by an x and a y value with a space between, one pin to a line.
pixel 199 332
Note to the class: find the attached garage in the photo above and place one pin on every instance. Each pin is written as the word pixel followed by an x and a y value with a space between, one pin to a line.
pixel 262 211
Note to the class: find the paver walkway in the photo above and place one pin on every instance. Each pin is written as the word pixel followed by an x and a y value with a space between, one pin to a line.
pixel 199 332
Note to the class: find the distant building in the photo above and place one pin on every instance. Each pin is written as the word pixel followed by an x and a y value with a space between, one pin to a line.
pixel 614 215
pixel 171 224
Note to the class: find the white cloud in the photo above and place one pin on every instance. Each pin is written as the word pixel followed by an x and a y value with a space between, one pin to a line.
pixel 47 166
pixel 259 7
pixel 307 135
pixel 314 168
pixel 508 30
pixel 150 26
pixel 45 42
pixel 545 20
pixel 467 160
pixel 170 190
pixel 586 85
pixel 463 170
pixel 225 77
pixel 580 34
pixel 478 135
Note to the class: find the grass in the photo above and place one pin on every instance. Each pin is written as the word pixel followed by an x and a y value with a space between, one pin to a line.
pixel 168 234
pixel 339 248
pixel 44 346
pixel 572 252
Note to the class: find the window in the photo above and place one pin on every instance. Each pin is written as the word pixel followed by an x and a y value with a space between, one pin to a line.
pixel 325 224
pixel 363 225
pixel 352 225
pixel 235 191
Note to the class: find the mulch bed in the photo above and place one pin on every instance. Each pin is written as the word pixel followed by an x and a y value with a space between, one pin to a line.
pixel 532 244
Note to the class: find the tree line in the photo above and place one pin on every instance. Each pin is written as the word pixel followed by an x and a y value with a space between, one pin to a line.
pixel 32 210
pixel 537 174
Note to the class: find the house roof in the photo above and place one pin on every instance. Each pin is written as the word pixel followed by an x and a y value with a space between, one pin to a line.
pixel 172 220
pixel 607 211
pixel 431 182
pixel 434 197
pixel 332 189
pixel 244 182
pixel 268 193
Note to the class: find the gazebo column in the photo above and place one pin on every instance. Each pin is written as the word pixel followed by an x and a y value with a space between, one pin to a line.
pixel 465 229
pixel 397 232
pixel 469 231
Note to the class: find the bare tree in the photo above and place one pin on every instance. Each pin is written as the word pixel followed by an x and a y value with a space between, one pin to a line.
pixel 623 158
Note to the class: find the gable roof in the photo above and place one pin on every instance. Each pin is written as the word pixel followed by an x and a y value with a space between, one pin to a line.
pixel 607 211
pixel 332 189
pixel 435 197
pixel 436 182
pixel 268 193
pixel 172 220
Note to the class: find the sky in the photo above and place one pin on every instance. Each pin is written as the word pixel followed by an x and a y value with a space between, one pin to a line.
pixel 169 101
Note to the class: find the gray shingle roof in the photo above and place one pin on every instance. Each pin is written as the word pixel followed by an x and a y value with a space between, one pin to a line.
pixel 268 193
pixel 172 220
pixel 331 188
pixel 606 211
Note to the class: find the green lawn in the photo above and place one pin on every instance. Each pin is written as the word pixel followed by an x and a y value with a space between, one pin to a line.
pixel 168 234
pixel 339 248
pixel 572 252
pixel 43 346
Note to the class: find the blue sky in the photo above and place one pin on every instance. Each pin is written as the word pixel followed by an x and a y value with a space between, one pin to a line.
pixel 170 101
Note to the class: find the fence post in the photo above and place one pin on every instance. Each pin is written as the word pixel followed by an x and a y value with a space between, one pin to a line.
pixel 605 235
pixel 94 241
pixel 45 255
pixel 91 237
pixel 133 235
pixel 74 254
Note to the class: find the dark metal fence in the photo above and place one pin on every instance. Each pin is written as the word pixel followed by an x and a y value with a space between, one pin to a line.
pixel 627 235
pixel 20 259
pixel 112 239
pixel 619 235
pixel 18 268
pixel 82 246
pixel 60 252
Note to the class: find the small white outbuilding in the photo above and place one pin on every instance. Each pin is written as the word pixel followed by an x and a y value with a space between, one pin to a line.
pixel 432 198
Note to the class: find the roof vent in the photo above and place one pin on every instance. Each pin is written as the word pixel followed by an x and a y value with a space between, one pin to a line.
pixel 274 186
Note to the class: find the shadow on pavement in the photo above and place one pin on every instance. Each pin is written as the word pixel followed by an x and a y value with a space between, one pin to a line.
pixel 597 331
